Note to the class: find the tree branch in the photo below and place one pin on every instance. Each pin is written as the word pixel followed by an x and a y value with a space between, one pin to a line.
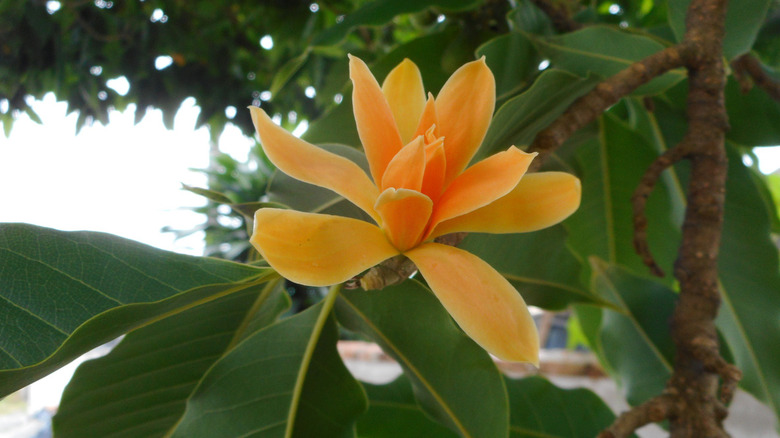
pixel 655 410
pixel 558 14
pixel 748 65
pixel 590 106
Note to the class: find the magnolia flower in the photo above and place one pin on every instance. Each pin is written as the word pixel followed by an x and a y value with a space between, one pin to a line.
pixel 418 150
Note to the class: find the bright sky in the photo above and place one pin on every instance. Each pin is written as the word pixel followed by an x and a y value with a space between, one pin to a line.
pixel 123 179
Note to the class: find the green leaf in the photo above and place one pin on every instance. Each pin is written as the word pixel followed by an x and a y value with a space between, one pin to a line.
pixel 513 60
pixel 752 116
pixel 539 265
pixel 211 195
pixel 634 337
pixel 64 293
pixel 750 281
pixel 410 325
pixel 287 71
pixel 286 380
pixel 519 120
pixel 393 412
pixel 743 21
pixel 538 409
pixel 379 12
pixel 141 387
pixel 302 196
pixel 604 51
pixel 610 169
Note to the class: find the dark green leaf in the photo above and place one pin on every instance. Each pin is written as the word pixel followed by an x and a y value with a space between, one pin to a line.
pixel 611 167
pixel 605 51
pixel 410 325
pixel 286 380
pixel 64 293
pixel 541 409
pixel 379 12
pixel 513 60
pixel 208 194
pixel 287 71
pixel 538 264
pixel 634 336
pixel 752 116
pixel 750 280
pixel 393 412
pixel 141 387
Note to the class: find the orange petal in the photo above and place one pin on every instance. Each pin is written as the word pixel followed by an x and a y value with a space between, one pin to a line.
pixel 480 300
pixel 482 183
pixel 405 214
pixel 428 117
pixel 406 169
pixel 375 123
pixel 464 108
pixel 403 88
pixel 318 249
pixel 435 167
pixel 538 201
pixel 308 163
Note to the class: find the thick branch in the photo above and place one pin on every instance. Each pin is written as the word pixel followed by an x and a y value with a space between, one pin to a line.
pixel 590 106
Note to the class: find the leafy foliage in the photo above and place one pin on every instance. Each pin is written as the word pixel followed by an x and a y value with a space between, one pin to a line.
pixel 208 344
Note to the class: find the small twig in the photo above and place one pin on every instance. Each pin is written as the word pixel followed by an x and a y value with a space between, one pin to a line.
pixel 748 65
pixel 590 106
pixel 655 410
pixel 639 201
pixel 706 350
pixel 559 15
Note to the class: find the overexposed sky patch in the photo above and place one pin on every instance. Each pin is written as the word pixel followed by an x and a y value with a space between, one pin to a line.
pixel 123 179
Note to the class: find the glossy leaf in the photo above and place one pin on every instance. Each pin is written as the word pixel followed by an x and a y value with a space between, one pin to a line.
pixel 743 21
pixel 393 412
pixel 522 117
pixel 379 12
pixel 634 337
pixel 64 293
pixel 752 116
pixel 411 326
pixel 750 281
pixel 539 408
pixel 286 380
pixel 539 265
pixel 141 387
pixel 605 51
pixel 611 167
pixel 513 60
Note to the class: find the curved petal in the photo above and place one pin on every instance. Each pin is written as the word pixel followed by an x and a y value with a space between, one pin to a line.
pixel 375 123
pixel 403 89
pixel 428 117
pixel 480 300
pixel 308 163
pixel 482 184
pixel 318 249
pixel 407 168
pixel 464 108
pixel 435 166
pixel 540 200
pixel 405 214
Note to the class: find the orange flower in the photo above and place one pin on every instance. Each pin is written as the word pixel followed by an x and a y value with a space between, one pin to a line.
pixel 418 150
